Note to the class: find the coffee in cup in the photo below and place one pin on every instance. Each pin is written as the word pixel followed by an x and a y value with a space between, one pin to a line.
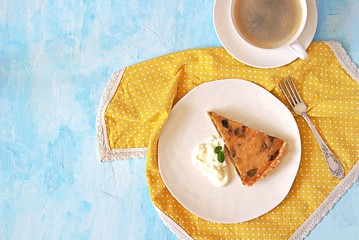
pixel 270 24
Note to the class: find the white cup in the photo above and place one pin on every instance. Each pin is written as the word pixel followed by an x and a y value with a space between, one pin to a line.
pixel 292 44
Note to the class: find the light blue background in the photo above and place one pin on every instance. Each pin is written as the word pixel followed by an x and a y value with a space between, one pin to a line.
pixel 55 60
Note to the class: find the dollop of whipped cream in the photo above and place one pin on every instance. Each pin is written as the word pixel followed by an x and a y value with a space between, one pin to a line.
pixel 205 159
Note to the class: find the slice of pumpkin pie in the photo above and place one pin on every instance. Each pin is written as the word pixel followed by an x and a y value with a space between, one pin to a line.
pixel 254 154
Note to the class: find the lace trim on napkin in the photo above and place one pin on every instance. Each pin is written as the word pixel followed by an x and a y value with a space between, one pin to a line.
pixel 105 152
pixel 327 204
pixel 344 59
pixel 171 225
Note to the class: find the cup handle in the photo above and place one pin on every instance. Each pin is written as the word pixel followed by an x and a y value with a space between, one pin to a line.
pixel 298 50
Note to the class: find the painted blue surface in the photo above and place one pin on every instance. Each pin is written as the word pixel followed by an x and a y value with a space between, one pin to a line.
pixel 55 60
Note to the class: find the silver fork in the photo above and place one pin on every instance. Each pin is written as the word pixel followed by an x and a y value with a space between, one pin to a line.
pixel 291 94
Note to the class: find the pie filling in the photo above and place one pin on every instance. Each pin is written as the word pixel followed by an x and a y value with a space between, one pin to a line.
pixel 254 154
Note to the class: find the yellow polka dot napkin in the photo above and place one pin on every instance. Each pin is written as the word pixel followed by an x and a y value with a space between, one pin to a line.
pixel 138 100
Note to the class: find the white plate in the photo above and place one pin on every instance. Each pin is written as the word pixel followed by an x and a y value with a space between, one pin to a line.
pixel 253 56
pixel 188 124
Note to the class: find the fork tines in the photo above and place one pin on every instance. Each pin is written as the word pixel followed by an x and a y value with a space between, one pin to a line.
pixel 290 91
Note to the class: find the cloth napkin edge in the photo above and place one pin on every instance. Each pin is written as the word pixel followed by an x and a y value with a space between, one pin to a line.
pixel 317 216
pixel 344 59
pixel 172 225
pixel 105 153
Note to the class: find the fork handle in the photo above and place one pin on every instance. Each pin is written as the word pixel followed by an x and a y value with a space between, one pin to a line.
pixel 335 167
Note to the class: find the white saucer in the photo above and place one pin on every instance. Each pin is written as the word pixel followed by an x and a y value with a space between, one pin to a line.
pixel 253 56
